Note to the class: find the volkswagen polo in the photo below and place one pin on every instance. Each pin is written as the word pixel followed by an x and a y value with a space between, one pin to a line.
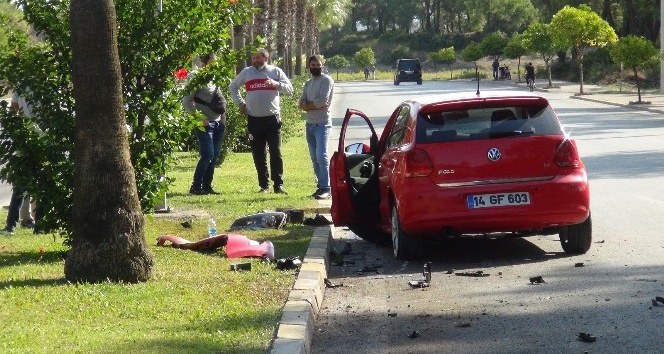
pixel 463 164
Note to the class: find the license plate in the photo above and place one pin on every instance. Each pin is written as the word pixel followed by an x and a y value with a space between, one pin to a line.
pixel 497 200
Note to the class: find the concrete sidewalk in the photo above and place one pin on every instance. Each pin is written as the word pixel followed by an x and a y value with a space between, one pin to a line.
pixel 595 93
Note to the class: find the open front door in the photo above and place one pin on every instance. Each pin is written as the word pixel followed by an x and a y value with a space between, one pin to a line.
pixel 353 174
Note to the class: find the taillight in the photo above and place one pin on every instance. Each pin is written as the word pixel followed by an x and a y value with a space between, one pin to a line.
pixel 566 154
pixel 418 163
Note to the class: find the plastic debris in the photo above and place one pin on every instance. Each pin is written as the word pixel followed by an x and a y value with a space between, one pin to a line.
pixel 414 335
pixel 264 220
pixel 331 285
pixel 318 220
pixel 479 273
pixel 237 246
pixel 537 280
pixel 240 266
pixel 288 263
pixel 586 337
pixel 580 264
pixel 392 314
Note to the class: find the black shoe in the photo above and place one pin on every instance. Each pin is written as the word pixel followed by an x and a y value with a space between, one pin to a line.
pixel 324 194
pixel 279 190
pixel 209 190
pixel 317 192
pixel 264 190
pixel 7 231
pixel 196 190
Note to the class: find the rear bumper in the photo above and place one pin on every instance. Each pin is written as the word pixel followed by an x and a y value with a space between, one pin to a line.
pixel 403 77
pixel 430 209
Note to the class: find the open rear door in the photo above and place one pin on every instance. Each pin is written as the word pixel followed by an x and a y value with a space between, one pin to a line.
pixel 353 174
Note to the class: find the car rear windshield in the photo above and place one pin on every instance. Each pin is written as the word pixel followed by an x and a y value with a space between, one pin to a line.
pixel 486 123
pixel 408 64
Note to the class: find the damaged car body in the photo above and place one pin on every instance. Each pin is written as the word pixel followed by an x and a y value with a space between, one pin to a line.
pixel 463 164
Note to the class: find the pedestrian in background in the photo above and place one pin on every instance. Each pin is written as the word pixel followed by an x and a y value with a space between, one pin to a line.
pixel 19 204
pixel 208 105
pixel 263 84
pixel 495 67
pixel 315 100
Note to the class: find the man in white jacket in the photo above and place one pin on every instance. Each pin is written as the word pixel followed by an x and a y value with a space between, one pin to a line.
pixel 263 84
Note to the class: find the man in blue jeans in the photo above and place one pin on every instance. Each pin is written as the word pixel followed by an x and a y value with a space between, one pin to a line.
pixel 209 134
pixel 315 100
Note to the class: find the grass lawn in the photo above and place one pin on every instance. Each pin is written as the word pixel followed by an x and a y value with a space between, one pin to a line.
pixel 192 304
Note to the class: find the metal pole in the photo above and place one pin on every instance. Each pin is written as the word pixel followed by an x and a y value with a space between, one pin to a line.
pixel 661 44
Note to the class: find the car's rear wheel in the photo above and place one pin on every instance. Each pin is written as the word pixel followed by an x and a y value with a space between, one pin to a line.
pixel 576 239
pixel 396 82
pixel 404 245
pixel 419 82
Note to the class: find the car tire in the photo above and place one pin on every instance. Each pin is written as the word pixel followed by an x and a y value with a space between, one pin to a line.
pixel 419 82
pixel 405 246
pixel 396 82
pixel 576 239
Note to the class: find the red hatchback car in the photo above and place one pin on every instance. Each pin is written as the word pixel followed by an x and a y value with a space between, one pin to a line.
pixel 463 164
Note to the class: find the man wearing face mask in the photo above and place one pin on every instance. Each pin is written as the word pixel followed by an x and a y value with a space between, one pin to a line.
pixel 315 100
pixel 263 84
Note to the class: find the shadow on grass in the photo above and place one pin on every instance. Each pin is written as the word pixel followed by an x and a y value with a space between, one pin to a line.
pixel 14 258
pixel 32 283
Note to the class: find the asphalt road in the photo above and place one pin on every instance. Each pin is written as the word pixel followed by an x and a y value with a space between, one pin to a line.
pixel 608 297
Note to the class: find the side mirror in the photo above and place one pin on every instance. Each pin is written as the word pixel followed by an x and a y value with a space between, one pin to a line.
pixel 357 148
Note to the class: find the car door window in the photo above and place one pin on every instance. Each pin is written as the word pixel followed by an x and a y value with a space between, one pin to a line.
pixel 399 129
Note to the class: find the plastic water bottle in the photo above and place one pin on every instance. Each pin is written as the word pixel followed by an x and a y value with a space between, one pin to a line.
pixel 212 228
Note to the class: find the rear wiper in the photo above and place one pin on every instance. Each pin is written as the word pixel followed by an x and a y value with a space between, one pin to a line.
pixel 510 133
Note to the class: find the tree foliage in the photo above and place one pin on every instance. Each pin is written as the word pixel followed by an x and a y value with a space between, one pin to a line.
pixel 537 38
pixel 445 56
pixel 472 52
pixel 152 45
pixel 494 44
pixel 634 52
pixel 580 28
pixel 337 62
pixel 364 57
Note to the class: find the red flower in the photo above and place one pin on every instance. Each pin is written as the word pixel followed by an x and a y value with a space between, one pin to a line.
pixel 181 73
pixel 41 250
pixel 232 1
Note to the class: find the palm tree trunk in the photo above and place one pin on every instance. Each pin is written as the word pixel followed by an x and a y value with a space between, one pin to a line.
pixel 300 31
pixel 108 240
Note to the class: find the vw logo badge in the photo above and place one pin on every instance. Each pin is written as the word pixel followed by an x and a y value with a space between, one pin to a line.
pixel 493 154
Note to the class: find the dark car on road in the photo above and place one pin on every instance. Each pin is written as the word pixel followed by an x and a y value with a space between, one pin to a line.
pixel 408 70
pixel 462 164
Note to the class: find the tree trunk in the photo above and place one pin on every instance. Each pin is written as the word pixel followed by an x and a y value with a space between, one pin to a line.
pixel 108 241
pixel 548 68
pixel 300 31
pixel 638 83
pixel 579 57
pixel 238 42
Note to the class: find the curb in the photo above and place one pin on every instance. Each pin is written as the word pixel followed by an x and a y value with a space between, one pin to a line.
pixel 634 107
pixel 296 327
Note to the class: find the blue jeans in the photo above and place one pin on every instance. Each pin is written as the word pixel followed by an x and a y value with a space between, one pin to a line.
pixel 318 135
pixel 209 147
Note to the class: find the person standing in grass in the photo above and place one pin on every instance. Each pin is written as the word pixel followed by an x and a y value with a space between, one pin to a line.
pixel 315 100
pixel 210 133
pixel 263 84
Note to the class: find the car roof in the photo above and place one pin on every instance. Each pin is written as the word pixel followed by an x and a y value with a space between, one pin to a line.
pixel 504 97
